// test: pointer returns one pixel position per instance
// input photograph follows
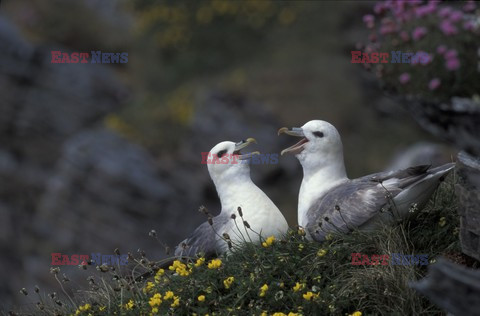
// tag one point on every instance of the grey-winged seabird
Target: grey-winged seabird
(236, 190)
(329, 202)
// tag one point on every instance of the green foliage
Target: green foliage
(291, 275)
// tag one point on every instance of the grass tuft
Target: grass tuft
(292, 276)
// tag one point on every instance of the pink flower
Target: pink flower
(444, 12)
(456, 16)
(452, 64)
(450, 54)
(379, 8)
(404, 36)
(369, 20)
(441, 49)
(419, 32)
(469, 6)
(469, 25)
(430, 8)
(434, 84)
(404, 78)
(448, 28)
(388, 26)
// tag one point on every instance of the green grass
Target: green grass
(337, 287)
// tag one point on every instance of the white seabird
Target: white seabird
(235, 189)
(329, 202)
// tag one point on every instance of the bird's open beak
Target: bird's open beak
(298, 147)
(242, 144)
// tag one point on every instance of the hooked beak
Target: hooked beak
(242, 144)
(298, 147)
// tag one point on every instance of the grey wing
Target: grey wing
(347, 207)
(351, 205)
(204, 239)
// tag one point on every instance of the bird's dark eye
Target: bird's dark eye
(318, 134)
(221, 153)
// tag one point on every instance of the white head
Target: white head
(320, 146)
(225, 162)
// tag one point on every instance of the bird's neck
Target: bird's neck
(235, 191)
(316, 182)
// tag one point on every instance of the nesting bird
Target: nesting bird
(247, 213)
(329, 202)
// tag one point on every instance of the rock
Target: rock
(453, 287)
(422, 153)
(468, 192)
(457, 122)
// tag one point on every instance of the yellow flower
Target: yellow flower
(300, 247)
(158, 275)
(155, 310)
(279, 314)
(308, 296)
(83, 308)
(155, 300)
(293, 314)
(264, 314)
(301, 231)
(180, 268)
(356, 313)
(200, 261)
(129, 305)
(298, 287)
(148, 287)
(176, 301)
(102, 308)
(322, 252)
(228, 282)
(268, 242)
(201, 298)
(442, 221)
(263, 290)
(215, 264)
(329, 237)
(168, 295)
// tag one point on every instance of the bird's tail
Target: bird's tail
(419, 192)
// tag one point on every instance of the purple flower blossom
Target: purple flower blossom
(450, 54)
(441, 49)
(404, 36)
(456, 16)
(388, 26)
(444, 12)
(469, 25)
(419, 32)
(424, 10)
(379, 8)
(434, 84)
(369, 20)
(448, 28)
(452, 64)
(404, 78)
(469, 6)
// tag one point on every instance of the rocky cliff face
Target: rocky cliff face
(70, 185)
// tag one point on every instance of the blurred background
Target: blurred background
(94, 156)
